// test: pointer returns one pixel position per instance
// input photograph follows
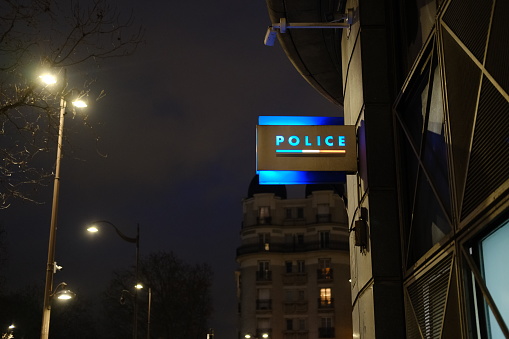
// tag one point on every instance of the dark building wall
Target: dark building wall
(370, 88)
(427, 90)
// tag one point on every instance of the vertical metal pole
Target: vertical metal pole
(50, 266)
(135, 325)
(149, 308)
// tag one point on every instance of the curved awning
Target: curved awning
(315, 53)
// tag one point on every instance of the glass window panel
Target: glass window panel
(429, 225)
(494, 249)
(435, 150)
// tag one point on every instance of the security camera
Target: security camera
(56, 268)
(270, 36)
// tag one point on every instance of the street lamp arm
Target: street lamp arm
(122, 235)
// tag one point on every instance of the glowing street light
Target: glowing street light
(94, 229)
(48, 79)
(63, 294)
(249, 336)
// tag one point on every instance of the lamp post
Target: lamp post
(149, 304)
(136, 241)
(51, 266)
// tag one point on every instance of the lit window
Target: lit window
(264, 240)
(325, 296)
(264, 211)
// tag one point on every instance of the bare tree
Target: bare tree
(181, 302)
(51, 35)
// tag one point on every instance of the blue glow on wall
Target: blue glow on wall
(300, 177)
(299, 121)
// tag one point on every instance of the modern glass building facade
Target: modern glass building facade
(426, 84)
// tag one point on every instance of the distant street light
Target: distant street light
(52, 266)
(149, 304)
(94, 229)
(249, 336)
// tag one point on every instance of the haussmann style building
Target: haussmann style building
(293, 276)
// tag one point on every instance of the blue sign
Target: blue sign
(304, 150)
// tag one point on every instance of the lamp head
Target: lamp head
(65, 294)
(79, 103)
(93, 229)
(48, 79)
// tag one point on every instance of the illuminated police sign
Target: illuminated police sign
(295, 150)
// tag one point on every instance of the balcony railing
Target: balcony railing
(263, 304)
(295, 307)
(295, 278)
(290, 248)
(326, 332)
(296, 334)
(324, 274)
(323, 218)
(325, 303)
(264, 275)
(263, 220)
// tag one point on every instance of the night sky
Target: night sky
(176, 150)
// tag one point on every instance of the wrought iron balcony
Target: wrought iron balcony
(324, 274)
(263, 304)
(325, 303)
(292, 248)
(264, 275)
(326, 332)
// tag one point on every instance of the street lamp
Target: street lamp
(93, 228)
(51, 266)
(263, 335)
(149, 304)
(8, 334)
(63, 294)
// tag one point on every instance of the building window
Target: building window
(301, 295)
(324, 268)
(289, 324)
(264, 273)
(288, 213)
(264, 215)
(326, 329)
(324, 239)
(323, 213)
(493, 248)
(263, 327)
(288, 295)
(264, 241)
(264, 302)
(423, 149)
(300, 212)
(288, 265)
(302, 324)
(300, 239)
(325, 300)
(301, 266)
